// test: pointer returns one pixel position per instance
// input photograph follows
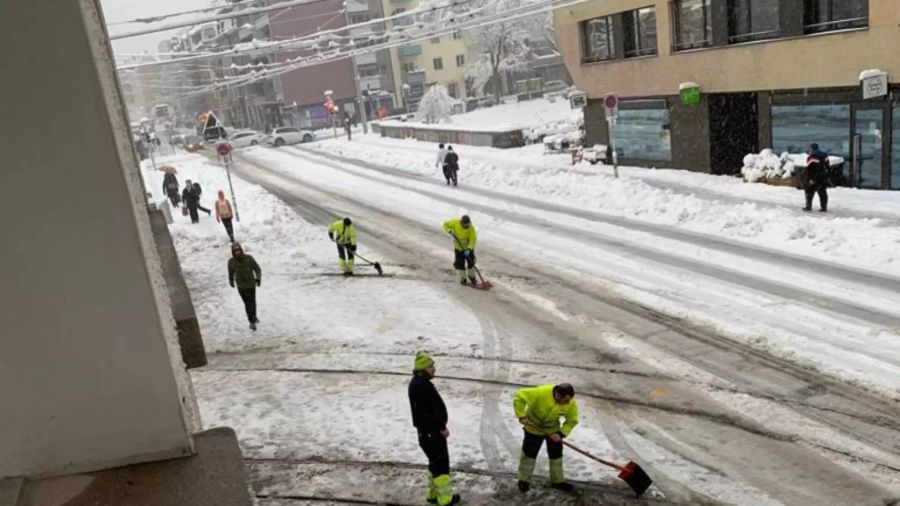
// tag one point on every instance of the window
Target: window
(639, 31)
(288, 131)
(359, 18)
(438, 63)
(435, 40)
(457, 35)
(752, 20)
(460, 60)
(794, 127)
(825, 15)
(370, 70)
(693, 24)
(598, 39)
(643, 134)
(452, 90)
(409, 66)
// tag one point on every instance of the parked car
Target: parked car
(245, 138)
(289, 135)
(193, 143)
(555, 87)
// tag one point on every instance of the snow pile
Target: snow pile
(865, 74)
(767, 165)
(505, 117)
(569, 127)
(435, 106)
(687, 86)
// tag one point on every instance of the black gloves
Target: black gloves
(231, 283)
(331, 235)
(259, 282)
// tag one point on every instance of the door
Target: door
(867, 166)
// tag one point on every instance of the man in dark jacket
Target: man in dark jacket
(245, 272)
(199, 193)
(170, 188)
(451, 166)
(191, 200)
(816, 179)
(429, 416)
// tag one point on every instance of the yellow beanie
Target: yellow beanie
(423, 361)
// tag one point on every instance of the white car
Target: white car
(246, 138)
(289, 135)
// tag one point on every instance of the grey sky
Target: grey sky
(122, 10)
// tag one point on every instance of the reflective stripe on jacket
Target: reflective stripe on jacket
(343, 235)
(539, 406)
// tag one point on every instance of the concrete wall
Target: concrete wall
(831, 59)
(89, 372)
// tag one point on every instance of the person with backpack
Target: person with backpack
(451, 166)
(816, 178)
(199, 193)
(191, 201)
(224, 214)
(441, 155)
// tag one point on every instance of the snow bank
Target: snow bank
(865, 74)
(767, 165)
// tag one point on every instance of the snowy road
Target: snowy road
(642, 318)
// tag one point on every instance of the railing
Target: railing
(748, 37)
(838, 24)
(634, 53)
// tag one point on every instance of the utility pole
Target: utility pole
(360, 104)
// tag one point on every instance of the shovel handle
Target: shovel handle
(579, 450)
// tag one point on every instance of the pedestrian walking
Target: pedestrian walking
(442, 154)
(343, 233)
(429, 416)
(347, 125)
(451, 165)
(244, 272)
(464, 239)
(170, 189)
(199, 194)
(539, 410)
(816, 178)
(191, 200)
(224, 214)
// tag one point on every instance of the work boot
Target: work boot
(524, 486)
(473, 281)
(564, 486)
(462, 281)
(456, 499)
(253, 326)
(807, 209)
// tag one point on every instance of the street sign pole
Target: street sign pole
(611, 106)
(224, 151)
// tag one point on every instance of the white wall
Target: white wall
(88, 378)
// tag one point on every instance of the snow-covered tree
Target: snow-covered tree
(502, 47)
(435, 106)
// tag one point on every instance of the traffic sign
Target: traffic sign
(223, 149)
(578, 100)
(611, 104)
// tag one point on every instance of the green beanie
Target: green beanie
(423, 362)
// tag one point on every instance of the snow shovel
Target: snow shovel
(484, 285)
(631, 473)
(376, 265)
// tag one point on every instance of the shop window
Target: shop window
(639, 32)
(795, 127)
(598, 39)
(693, 24)
(826, 15)
(895, 146)
(752, 20)
(643, 134)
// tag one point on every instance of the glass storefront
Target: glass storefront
(643, 134)
(795, 127)
(895, 156)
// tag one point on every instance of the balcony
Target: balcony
(372, 83)
(415, 77)
(367, 59)
(357, 6)
(411, 50)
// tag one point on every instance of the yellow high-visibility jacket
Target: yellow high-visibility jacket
(343, 235)
(467, 236)
(539, 406)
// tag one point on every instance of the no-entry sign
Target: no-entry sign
(223, 149)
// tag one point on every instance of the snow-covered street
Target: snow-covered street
(736, 359)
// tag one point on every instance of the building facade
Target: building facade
(420, 65)
(775, 74)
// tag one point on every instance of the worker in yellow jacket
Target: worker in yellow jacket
(464, 239)
(539, 410)
(343, 233)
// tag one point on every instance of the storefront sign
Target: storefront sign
(875, 86)
(690, 93)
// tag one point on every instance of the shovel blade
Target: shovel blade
(636, 478)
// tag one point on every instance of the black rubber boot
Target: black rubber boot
(524, 486)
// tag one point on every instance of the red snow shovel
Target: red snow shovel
(484, 285)
(631, 473)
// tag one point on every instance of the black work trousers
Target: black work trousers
(531, 445)
(460, 261)
(822, 190)
(435, 448)
(248, 295)
(346, 251)
(192, 210)
(228, 228)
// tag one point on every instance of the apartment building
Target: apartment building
(420, 65)
(703, 82)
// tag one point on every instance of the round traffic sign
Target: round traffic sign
(611, 101)
(223, 149)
